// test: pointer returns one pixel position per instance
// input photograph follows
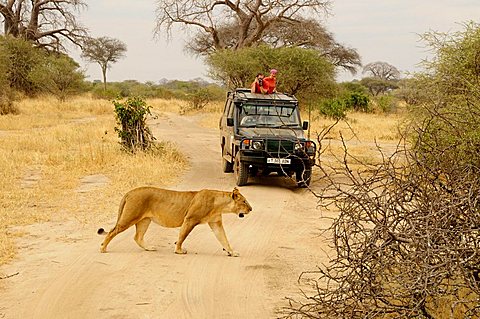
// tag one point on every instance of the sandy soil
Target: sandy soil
(61, 273)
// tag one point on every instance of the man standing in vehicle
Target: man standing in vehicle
(257, 85)
(269, 83)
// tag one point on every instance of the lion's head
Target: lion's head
(241, 205)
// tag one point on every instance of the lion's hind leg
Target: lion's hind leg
(114, 232)
(141, 229)
(186, 228)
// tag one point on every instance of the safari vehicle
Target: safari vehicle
(262, 134)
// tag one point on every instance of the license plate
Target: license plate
(284, 161)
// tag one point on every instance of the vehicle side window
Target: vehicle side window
(231, 107)
(228, 104)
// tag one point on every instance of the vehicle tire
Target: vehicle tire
(227, 167)
(304, 176)
(241, 171)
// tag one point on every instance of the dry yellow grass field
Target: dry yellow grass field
(54, 156)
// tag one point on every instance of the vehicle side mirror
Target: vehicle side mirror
(305, 125)
(229, 121)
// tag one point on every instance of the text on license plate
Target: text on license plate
(284, 161)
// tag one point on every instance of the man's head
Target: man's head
(273, 72)
(260, 76)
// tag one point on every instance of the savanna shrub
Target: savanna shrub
(333, 108)
(98, 92)
(386, 103)
(197, 100)
(358, 101)
(22, 58)
(59, 75)
(131, 116)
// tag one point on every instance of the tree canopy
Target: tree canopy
(104, 51)
(59, 75)
(241, 24)
(382, 71)
(47, 23)
(300, 71)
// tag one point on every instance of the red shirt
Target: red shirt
(269, 84)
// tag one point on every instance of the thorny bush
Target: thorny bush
(131, 116)
(407, 235)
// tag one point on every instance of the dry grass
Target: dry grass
(171, 105)
(48, 148)
(211, 114)
(363, 135)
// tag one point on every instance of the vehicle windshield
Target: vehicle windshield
(268, 116)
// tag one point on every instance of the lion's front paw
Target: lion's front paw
(233, 254)
(103, 250)
(180, 251)
(151, 248)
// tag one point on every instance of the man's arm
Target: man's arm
(252, 87)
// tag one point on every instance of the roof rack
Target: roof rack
(245, 94)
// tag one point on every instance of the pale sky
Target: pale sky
(380, 30)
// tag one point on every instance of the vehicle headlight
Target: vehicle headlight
(311, 147)
(298, 146)
(257, 145)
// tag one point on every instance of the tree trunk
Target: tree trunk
(104, 74)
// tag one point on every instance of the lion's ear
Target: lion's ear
(235, 193)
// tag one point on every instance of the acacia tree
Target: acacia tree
(382, 71)
(304, 71)
(304, 33)
(104, 51)
(239, 24)
(208, 15)
(45, 22)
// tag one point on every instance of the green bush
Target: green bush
(131, 116)
(22, 58)
(197, 100)
(59, 75)
(333, 108)
(183, 90)
(6, 99)
(111, 93)
(358, 102)
(386, 103)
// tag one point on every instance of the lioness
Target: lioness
(170, 208)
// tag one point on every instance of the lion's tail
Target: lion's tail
(102, 231)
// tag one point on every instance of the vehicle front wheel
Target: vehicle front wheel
(241, 171)
(304, 176)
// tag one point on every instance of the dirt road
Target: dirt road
(61, 273)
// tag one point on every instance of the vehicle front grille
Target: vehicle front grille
(281, 147)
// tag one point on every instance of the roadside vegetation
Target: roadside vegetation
(405, 242)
